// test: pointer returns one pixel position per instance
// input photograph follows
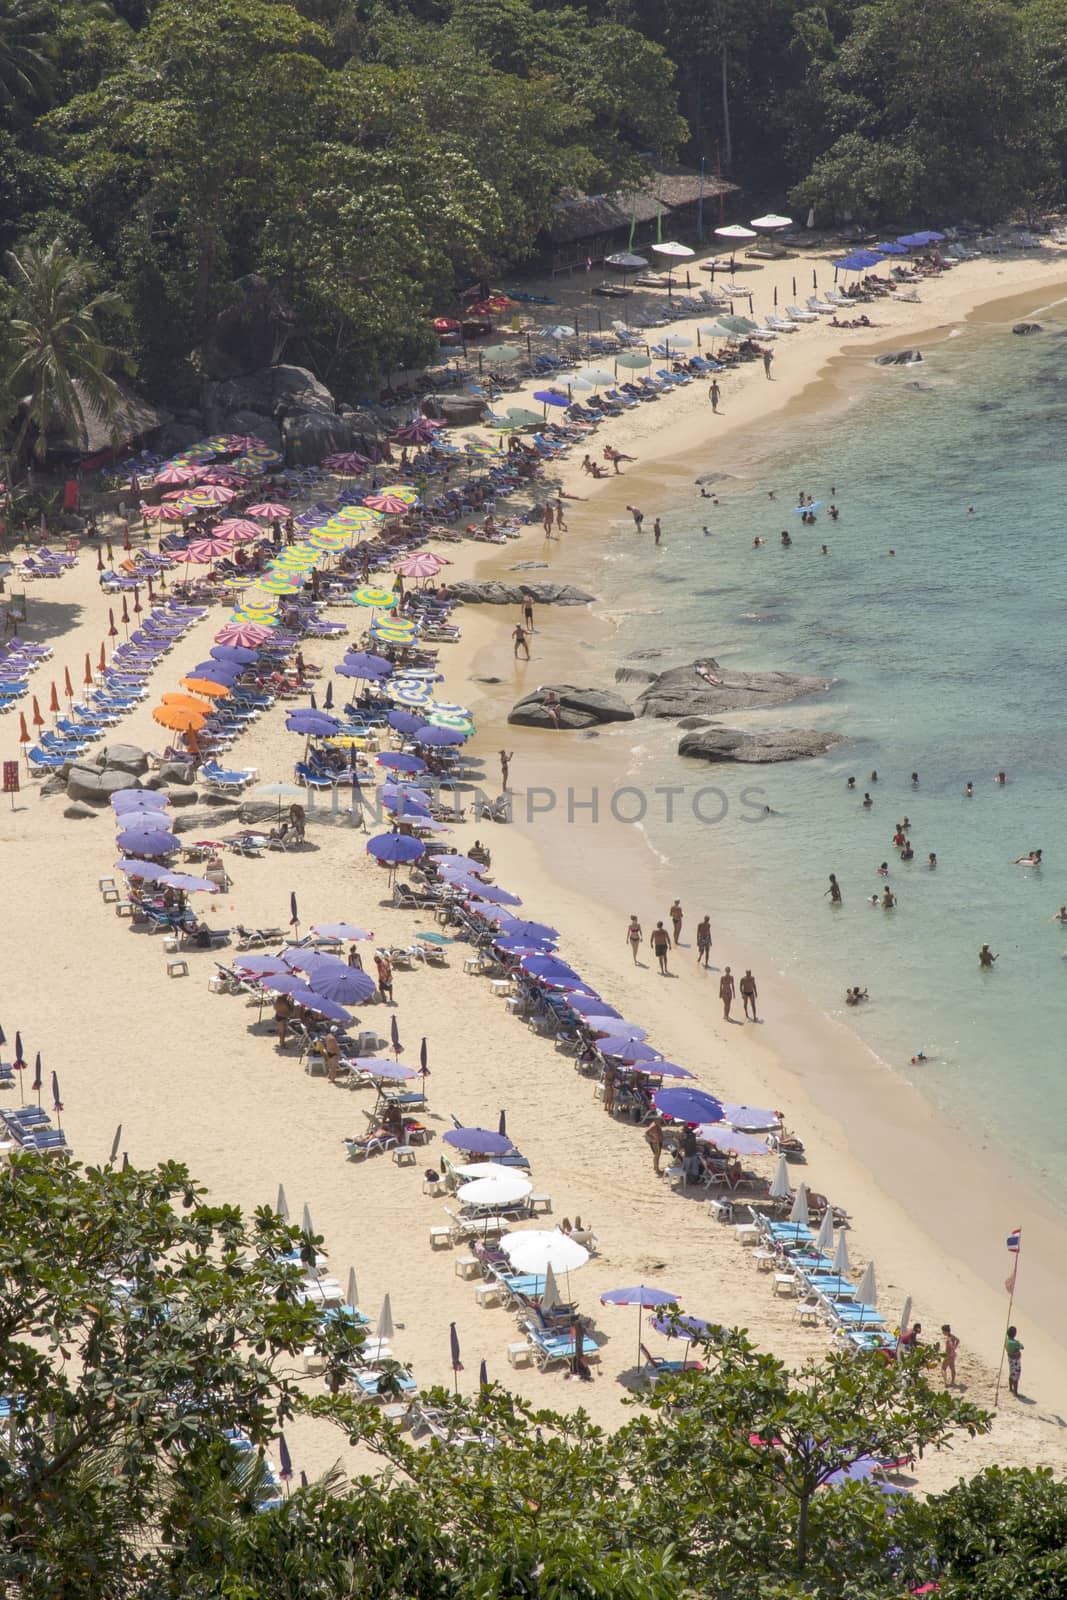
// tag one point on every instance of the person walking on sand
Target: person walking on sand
(747, 989)
(546, 518)
(657, 532)
(661, 943)
(527, 616)
(561, 526)
(654, 1140)
(713, 395)
(384, 968)
(506, 757)
(676, 921)
(768, 357)
(704, 940)
(519, 637)
(1014, 1351)
(726, 992)
(634, 936)
(332, 1051)
(948, 1356)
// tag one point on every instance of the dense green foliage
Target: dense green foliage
(368, 157)
(139, 1323)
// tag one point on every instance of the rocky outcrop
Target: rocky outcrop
(251, 423)
(124, 758)
(458, 410)
(277, 392)
(182, 797)
(635, 675)
(205, 822)
(513, 594)
(1025, 328)
(309, 436)
(97, 785)
(578, 708)
(78, 812)
(180, 772)
(898, 358)
(706, 689)
(756, 745)
(250, 332)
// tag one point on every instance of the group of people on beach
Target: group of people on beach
(662, 943)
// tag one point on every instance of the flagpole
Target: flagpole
(1011, 1301)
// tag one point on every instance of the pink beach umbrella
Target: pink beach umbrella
(271, 511)
(175, 512)
(238, 528)
(248, 635)
(422, 565)
(347, 461)
(177, 474)
(421, 431)
(391, 505)
(224, 475)
(210, 494)
(207, 550)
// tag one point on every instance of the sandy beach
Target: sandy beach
(194, 1075)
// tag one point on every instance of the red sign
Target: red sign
(11, 777)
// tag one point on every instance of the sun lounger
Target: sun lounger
(820, 307)
(797, 315)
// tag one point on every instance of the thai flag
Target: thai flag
(1014, 1240)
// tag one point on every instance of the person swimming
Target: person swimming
(931, 861)
(1031, 860)
(1001, 777)
(867, 802)
(969, 791)
(850, 784)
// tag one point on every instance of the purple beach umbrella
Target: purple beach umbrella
(235, 653)
(139, 800)
(403, 721)
(37, 1077)
(479, 1141)
(688, 1105)
(369, 666)
(150, 871)
(491, 893)
(318, 1003)
(395, 848)
(285, 1459)
(57, 1102)
(316, 724)
(399, 761)
(457, 1364)
(393, 1071)
(615, 1027)
(347, 985)
(147, 841)
(632, 1050)
(459, 866)
(642, 1296)
(427, 734)
(338, 930)
(394, 1035)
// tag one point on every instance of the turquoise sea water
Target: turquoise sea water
(949, 659)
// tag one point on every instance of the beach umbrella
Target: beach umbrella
(394, 1035)
(799, 1212)
(505, 1190)
(617, 1029)
(688, 1105)
(642, 1296)
(632, 1050)
(771, 222)
(781, 1188)
(403, 721)
(841, 1261)
(262, 966)
(449, 720)
(245, 635)
(503, 354)
(385, 1328)
(502, 1125)
(750, 1118)
(315, 724)
(867, 1293)
(294, 912)
(632, 360)
(176, 473)
(483, 1375)
(539, 1249)
(147, 841)
(488, 892)
(478, 1140)
(283, 982)
(347, 461)
(233, 654)
(57, 1102)
(352, 1294)
(890, 249)
(524, 417)
(150, 871)
(24, 732)
(734, 230)
(424, 564)
(189, 884)
(596, 376)
(682, 1327)
(550, 1298)
(824, 1239)
(183, 719)
(626, 261)
(549, 397)
(400, 761)
(36, 1085)
(395, 848)
(342, 983)
(391, 1071)
(239, 528)
(282, 1207)
(139, 800)
(207, 687)
(549, 968)
(730, 1140)
(457, 1364)
(596, 1011)
(284, 1457)
(305, 1222)
(368, 665)
(269, 511)
(525, 947)
(339, 930)
(391, 505)
(433, 736)
(379, 598)
(459, 865)
(673, 251)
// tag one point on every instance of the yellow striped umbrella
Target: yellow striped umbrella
(379, 598)
(401, 491)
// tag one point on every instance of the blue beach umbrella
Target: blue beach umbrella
(395, 848)
(405, 810)
(890, 248)
(57, 1099)
(312, 1001)
(549, 968)
(138, 800)
(286, 1460)
(404, 721)
(688, 1105)
(729, 1139)
(367, 665)
(402, 762)
(479, 1141)
(518, 928)
(328, 700)
(457, 1364)
(427, 735)
(459, 866)
(632, 1050)
(316, 724)
(37, 1077)
(236, 653)
(548, 397)
(507, 941)
(489, 892)
(642, 1296)
(596, 1011)
(403, 791)
(342, 983)
(147, 842)
(859, 261)
(617, 1030)
(682, 1327)
(394, 1036)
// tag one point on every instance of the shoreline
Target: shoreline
(193, 1077)
(877, 1110)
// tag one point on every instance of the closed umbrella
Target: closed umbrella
(799, 1213)
(352, 1294)
(457, 1364)
(385, 1328)
(824, 1239)
(550, 1300)
(867, 1292)
(841, 1261)
(282, 1207)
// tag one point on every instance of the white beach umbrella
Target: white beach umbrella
(735, 231)
(626, 261)
(670, 247)
(824, 1239)
(868, 1289)
(493, 1191)
(550, 1299)
(781, 1188)
(282, 1208)
(352, 1297)
(751, 1119)
(841, 1261)
(385, 1329)
(799, 1212)
(771, 221)
(905, 1320)
(305, 1221)
(483, 1169)
(539, 1249)
(597, 376)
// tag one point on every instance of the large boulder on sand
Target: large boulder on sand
(124, 758)
(756, 745)
(181, 772)
(458, 410)
(309, 436)
(898, 358)
(706, 689)
(277, 392)
(96, 786)
(252, 424)
(578, 708)
(206, 823)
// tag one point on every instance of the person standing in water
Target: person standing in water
(506, 757)
(834, 891)
(986, 957)
(657, 532)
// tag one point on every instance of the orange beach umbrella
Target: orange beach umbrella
(88, 669)
(38, 720)
(53, 703)
(181, 718)
(204, 686)
(68, 687)
(24, 732)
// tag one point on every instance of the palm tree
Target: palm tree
(25, 48)
(58, 361)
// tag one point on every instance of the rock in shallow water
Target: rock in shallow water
(706, 689)
(756, 746)
(578, 708)
(493, 593)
